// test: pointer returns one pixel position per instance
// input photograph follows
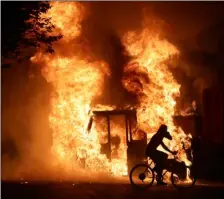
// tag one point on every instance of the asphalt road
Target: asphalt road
(106, 191)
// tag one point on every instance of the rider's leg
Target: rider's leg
(159, 177)
(158, 160)
(159, 172)
(161, 158)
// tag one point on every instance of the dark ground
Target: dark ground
(107, 191)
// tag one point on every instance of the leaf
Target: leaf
(32, 33)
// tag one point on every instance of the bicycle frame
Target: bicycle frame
(166, 170)
(149, 172)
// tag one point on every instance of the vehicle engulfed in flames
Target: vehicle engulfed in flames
(78, 78)
(124, 134)
(130, 136)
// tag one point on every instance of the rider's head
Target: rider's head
(163, 132)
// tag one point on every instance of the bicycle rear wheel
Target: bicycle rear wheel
(179, 181)
(141, 176)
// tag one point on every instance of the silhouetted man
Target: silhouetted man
(159, 157)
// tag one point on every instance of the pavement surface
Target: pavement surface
(56, 190)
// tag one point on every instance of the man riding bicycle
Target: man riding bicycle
(159, 157)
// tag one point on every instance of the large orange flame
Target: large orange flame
(149, 77)
(77, 81)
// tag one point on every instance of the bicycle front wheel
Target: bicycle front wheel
(185, 181)
(142, 176)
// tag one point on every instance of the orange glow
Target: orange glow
(67, 16)
(77, 81)
(156, 88)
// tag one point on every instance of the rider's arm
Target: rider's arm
(166, 148)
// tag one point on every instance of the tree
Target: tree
(22, 27)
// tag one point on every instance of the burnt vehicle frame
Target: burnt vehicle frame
(135, 148)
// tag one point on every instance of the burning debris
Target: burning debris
(78, 80)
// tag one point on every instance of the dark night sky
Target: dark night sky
(186, 19)
(189, 18)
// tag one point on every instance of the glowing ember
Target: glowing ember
(77, 81)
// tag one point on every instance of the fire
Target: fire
(77, 81)
(158, 85)
(67, 18)
(149, 77)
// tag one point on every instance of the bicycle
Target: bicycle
(177, 169)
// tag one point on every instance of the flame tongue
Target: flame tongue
(78, 81)
(157, 103)
(148, 76)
